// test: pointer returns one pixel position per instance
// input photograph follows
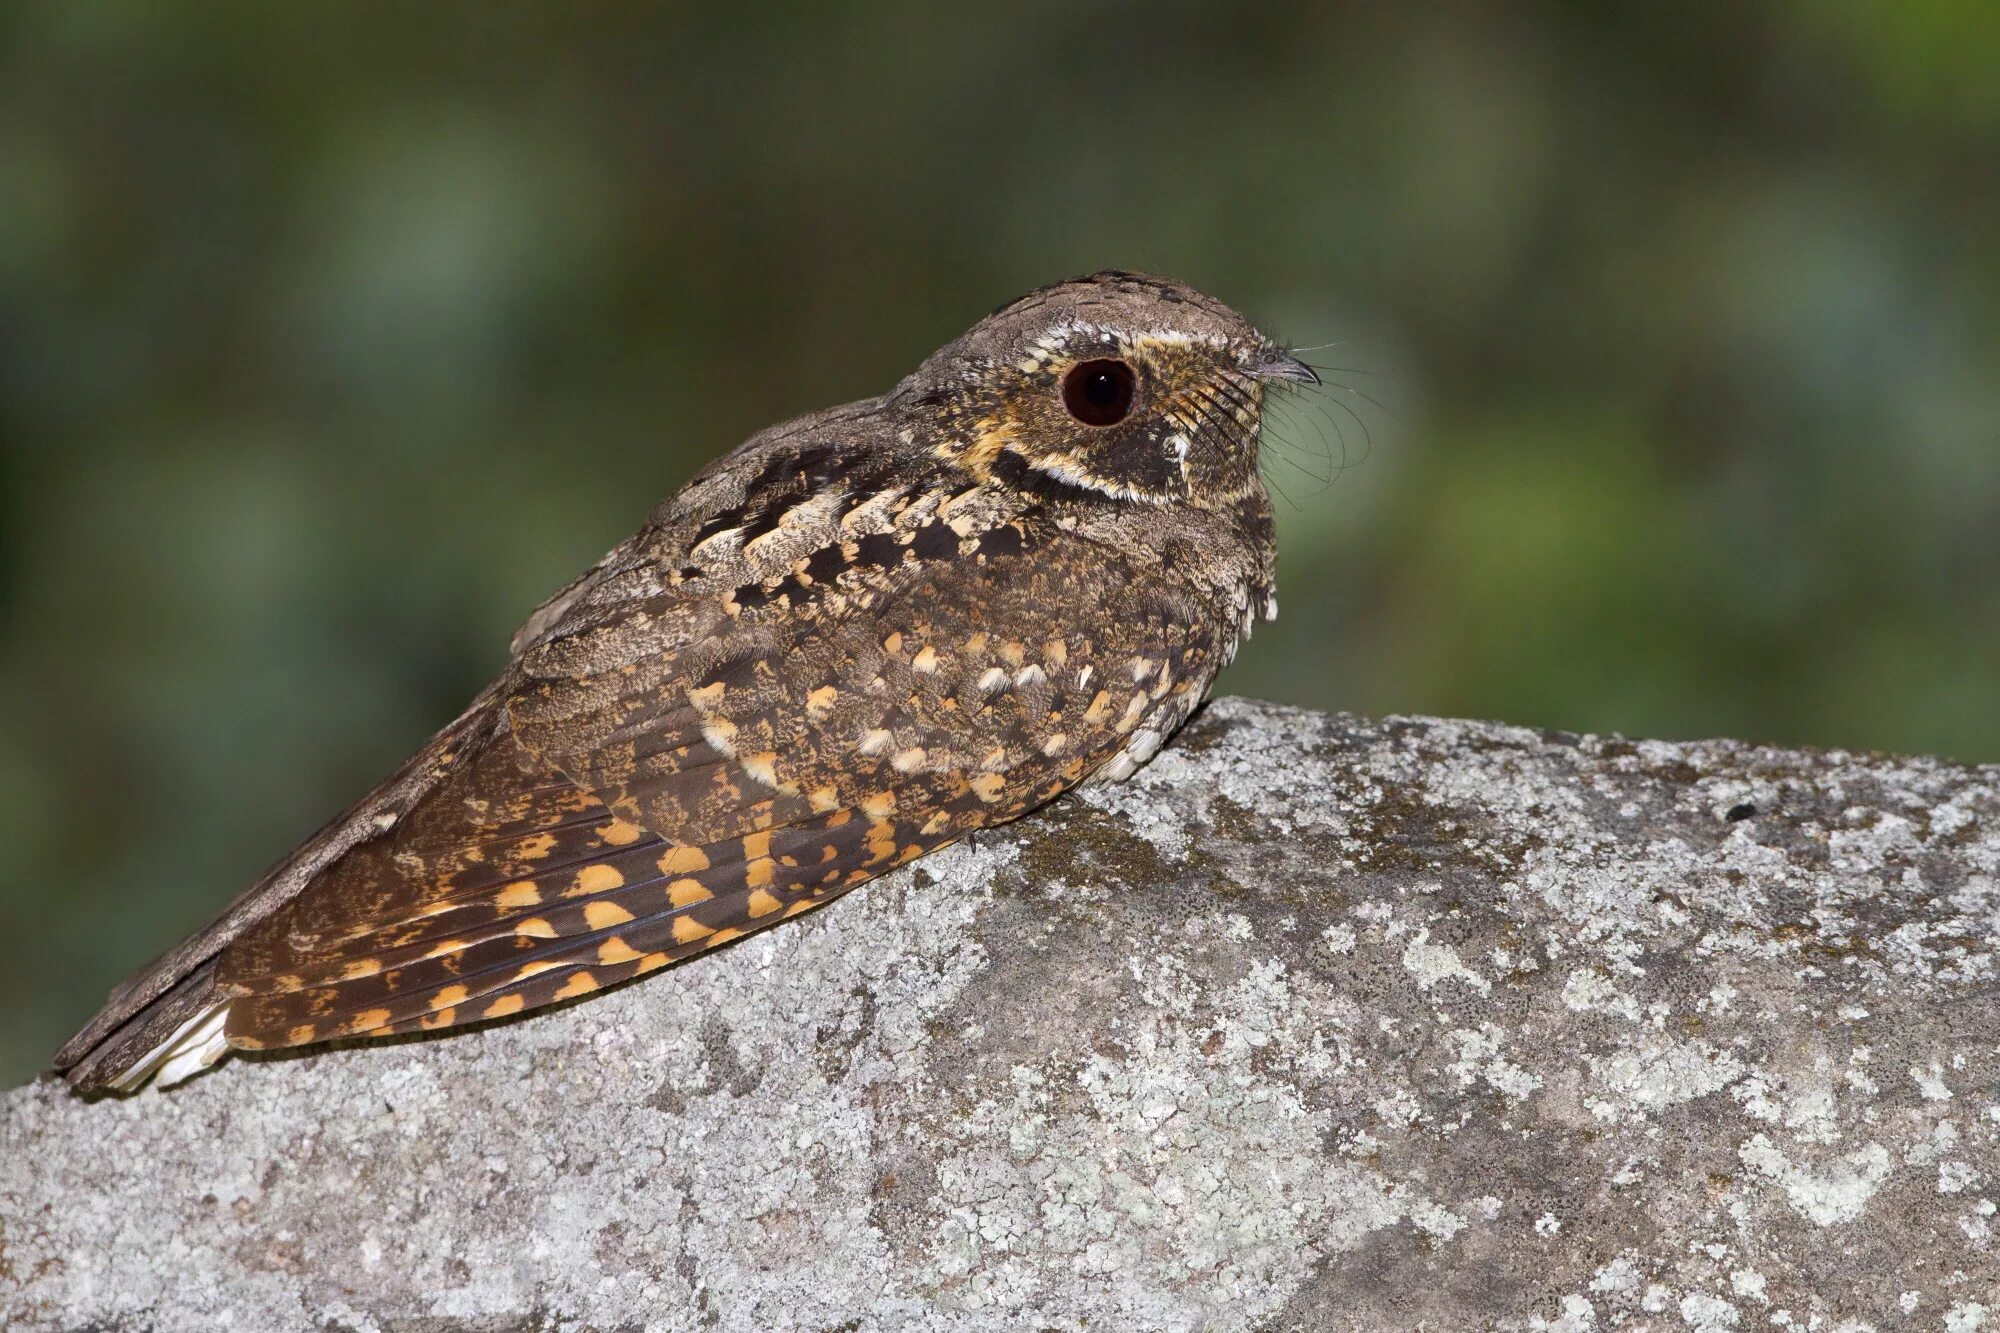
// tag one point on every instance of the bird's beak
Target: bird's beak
(1277, 365)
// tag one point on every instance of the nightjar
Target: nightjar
(858, 637)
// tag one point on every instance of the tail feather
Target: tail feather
(175, 1036)
(192, 1047)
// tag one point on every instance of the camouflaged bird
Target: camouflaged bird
(858, 637)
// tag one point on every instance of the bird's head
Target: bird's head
(1130, 387)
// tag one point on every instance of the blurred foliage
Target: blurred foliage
(332, 338)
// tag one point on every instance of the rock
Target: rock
(1316, 1024)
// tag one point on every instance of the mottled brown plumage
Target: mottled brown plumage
(852, 640)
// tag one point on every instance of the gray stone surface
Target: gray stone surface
(1317, 1024)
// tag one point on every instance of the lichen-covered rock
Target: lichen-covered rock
(1316, 1024)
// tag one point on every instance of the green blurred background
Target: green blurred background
(333, 338)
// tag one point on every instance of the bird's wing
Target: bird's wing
(681, 767)
(150, 1009)
(178, 988)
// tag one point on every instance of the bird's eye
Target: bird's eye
(1099, 393)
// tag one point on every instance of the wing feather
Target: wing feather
(682, 756)
(646, 900)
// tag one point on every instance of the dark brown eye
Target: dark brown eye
(1099, 393)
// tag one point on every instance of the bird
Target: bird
(858, 637)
